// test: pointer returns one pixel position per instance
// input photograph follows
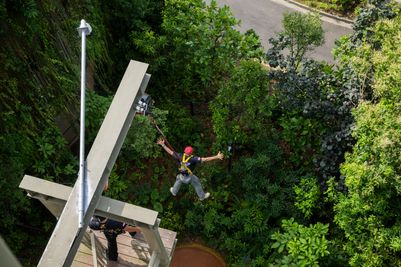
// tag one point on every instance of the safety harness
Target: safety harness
(97, 223)
(184, 166)
(184, 159)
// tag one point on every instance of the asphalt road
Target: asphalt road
(265, 17)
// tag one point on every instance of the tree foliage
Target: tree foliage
(300, 245)
(258, 180)
(39, 81)
(302, 33)
(197, 46)
(344, 7)
(288, 126)
(243, 105)
(121, 18)
(307, 194)
(368, 213)
(356, 50)
(317, 103)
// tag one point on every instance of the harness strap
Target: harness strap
(185, 160)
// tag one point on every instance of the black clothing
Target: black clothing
(112, 251)
(111, 229)
(190, 164)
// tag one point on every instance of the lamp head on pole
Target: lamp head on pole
(84, 28)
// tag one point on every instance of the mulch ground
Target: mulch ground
(196, 256)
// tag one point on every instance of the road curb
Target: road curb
(320, 12)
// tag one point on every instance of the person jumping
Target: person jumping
(187, 165)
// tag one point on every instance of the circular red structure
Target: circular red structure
(195, 255)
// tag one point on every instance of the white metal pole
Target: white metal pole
(84, 29)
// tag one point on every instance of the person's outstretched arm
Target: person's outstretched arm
(219, 156)
(162, 143)
(131, 228)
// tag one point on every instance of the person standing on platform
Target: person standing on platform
(111, 230)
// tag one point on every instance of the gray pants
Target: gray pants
(186, 179)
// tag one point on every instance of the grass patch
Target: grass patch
(342, 8)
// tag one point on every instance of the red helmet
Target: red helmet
(188, 150)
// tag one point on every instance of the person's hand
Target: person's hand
(220, 155)
(160, 141)
(106, 186)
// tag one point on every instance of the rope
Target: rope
(165, 138)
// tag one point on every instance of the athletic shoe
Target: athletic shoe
(171, 190)
(207, 194)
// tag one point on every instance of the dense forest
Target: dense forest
(313, 173)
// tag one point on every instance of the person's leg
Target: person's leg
(112, 253)
(195, 182)
(176, 187)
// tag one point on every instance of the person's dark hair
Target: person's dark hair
(96, 222)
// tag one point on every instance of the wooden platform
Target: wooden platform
(132, 252)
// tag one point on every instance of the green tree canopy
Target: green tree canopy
(368, 213)
(197, 46)
(302, 33)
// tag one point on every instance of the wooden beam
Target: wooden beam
(52, 195)
(67, 235)
(159, 253)
(93, 248)
(125, 212)
(107, 207)
(44, 187)
(7, 257)
(48, 191)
